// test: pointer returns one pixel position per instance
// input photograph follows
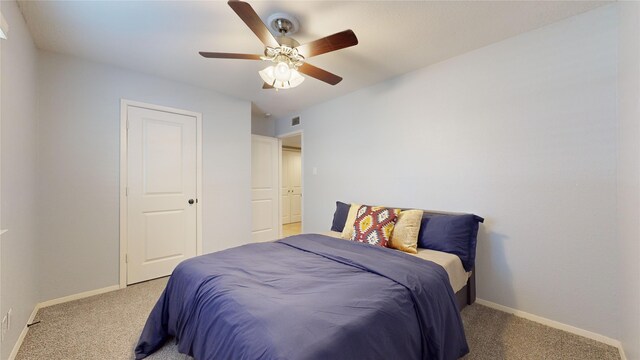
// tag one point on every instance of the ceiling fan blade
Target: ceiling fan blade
(319, 74)
(267, 86)
(217, 55)
(253, 21)
(330, 43)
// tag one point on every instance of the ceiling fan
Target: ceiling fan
(288, 56)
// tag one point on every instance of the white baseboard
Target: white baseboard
(57, 301)
(557, 325)
(83, 295)
(23, 334)
(622, 354)
(519, 313)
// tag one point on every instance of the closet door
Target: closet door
(162, 188)
(295, 183)
(291, 186)
(286, 192)
(265, 174)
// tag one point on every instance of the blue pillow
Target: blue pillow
(455, 234)
(340, 216)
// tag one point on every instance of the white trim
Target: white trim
(280, 137)
(199, 184)
(302, 151)
(519, 313)
(290, 134)
(23, 334)
(1, 21)
(623, 356)
(124, 104)
(280, 233)
(79, 296)
(86, 294)
(557, 325)
(123, 194)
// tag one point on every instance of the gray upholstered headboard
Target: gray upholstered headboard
(437, 212)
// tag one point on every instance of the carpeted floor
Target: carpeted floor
(107, 326)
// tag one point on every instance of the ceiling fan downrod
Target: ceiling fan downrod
(283, 26)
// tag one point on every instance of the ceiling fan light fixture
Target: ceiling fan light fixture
(268, 75)
(282, 71)
(285, 52)
(296, 79)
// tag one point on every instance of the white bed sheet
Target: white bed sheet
(450, 262)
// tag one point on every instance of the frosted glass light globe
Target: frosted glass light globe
(268, 73)
(282, 72)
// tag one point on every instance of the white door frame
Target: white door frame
(280, 137)
(124, 104)
(2, 21)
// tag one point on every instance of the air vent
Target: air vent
(295, 121)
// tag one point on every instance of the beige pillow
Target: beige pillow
(405, 233)
(347, 232)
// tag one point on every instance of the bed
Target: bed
(462, 282)
(313, 296)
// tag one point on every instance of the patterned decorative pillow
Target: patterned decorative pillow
(374, 225)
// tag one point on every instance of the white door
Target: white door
(161, 213)
(265, 207)
(286, 187)
(291, 186)
(295, 182)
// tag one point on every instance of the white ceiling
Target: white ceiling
(163, 38)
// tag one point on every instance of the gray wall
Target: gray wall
(78, 170)
(20, 267)
(522, 132)
(261, 125)
(629, 175)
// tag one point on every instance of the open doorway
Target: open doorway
(291, 184)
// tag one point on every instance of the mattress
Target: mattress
(450, 262)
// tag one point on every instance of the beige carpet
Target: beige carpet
(107, 327)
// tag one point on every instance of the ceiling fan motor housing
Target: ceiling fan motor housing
(285, 40)
(283, 24)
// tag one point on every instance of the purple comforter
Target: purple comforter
(307, 297)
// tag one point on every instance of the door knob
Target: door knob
(191, 201)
